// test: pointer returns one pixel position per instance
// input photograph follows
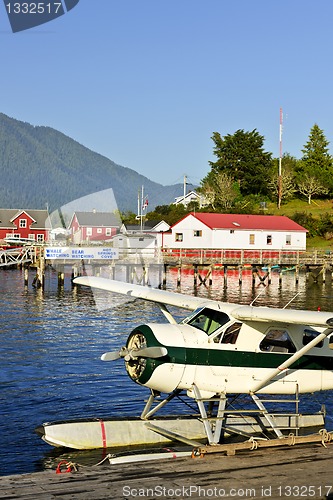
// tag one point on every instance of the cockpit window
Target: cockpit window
(277, 340)
(310, 334)
(229, 335)
(208, 320)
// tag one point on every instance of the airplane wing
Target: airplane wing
(144, 292)
(286, 316)
(189, 302)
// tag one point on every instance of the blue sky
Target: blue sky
(147, 82)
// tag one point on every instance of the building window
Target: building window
(40, 238)
(23, 222)
(179, 237)
(89, 231)
(197, 233)
(108, 231)
(252, 239)
(288, 239)
(232, 231)
(99, 230)
(269, 239)
(31, 237)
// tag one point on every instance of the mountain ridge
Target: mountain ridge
(41, 166)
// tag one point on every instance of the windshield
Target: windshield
(207, 320)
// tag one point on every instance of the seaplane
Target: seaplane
(216, 352)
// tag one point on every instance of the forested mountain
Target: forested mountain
(39, 166)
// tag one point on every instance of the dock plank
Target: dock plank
(302, 471)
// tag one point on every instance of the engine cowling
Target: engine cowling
(165, 373)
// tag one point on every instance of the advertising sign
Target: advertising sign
(79, 253)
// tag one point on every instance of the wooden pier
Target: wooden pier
(17, 256)
(204, 265)
(301, 471)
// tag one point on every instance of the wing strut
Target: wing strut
(291, 360)
(167, 313)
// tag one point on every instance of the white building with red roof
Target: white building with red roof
(236, 231)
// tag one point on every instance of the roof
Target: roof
(247, 222)
(97, 219)
(7, 215)
(149, 225)
(191, 195)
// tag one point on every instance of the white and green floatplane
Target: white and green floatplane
(220, 350)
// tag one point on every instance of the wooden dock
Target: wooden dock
(203, 264)
(302, 471)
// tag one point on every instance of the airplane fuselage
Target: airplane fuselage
(225, 348)
(217, 364)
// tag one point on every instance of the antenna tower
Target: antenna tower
(280, 162)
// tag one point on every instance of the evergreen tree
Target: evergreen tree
(242, 157)
(316, 162)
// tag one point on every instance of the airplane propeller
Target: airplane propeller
(128, 354)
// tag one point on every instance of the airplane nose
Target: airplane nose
(137, 353)
(141, 354)
(136, 365)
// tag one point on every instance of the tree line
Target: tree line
(244, 178)
(243, 170)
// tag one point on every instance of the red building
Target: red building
(93, 226)
(18, 223)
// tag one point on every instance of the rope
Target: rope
(70, 467)
(254, 443)
(292, 438)
(108, 457)
(326, 437)
(73, 467)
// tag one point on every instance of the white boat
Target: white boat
(115, 432)
(12, 240)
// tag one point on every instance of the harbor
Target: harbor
(166, 251)
(52, 371)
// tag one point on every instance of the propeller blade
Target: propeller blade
(144, 352)
(111, 356)
(150, 352)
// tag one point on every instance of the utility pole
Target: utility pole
(142, 206)
(185, 184)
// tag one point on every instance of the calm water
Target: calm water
(50, 348)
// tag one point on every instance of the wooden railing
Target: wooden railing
(237, 257)
(16, 256)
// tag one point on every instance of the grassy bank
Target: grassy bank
(317, 209)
